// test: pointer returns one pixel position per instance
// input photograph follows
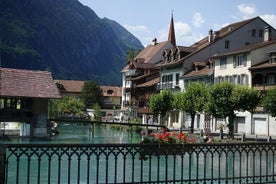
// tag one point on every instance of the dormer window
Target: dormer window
(110, 91)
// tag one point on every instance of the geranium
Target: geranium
(165, 138)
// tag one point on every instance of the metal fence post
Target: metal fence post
(2, 163)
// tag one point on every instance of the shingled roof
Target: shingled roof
(200, 45)
(27, 83)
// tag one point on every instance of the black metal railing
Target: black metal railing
(137, 163)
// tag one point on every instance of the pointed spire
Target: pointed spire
(171, 36)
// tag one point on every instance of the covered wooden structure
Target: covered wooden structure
(24, 96)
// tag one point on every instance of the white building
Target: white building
(238, 67)
(227, 39)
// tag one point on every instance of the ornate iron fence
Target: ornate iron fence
(135, 163)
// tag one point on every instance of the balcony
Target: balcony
(263, 87)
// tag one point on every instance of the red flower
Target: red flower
(160, 137)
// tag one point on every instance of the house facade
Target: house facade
(229, 38)
(140, 79)
(112, 95)
(254, 66)
(24, 96)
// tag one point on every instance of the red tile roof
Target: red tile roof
(114, 91)
(149, 83)
(71, 86)
(150, 51)
(27, 83)
(75, 86)
(263, 65)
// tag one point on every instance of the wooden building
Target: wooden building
(24, 96)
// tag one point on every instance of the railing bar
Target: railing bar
(266, 163)
(182, 167)
(38, 169)
(226, 167)
(247, 166)
(233, 168)
(115, 168)
(124, 170)
(78, 177)
(69, 169)
(97, 170)
(106, 169)
(133, 168)
(150, 169)
(28, 170)
(166, 168)
(141, 171)
(158, 168)
(174, 168)
(204, 167)
(197, 165)
(240, 163)
(88, 169)
(49, 170)
(17, 170)
(219, 169)
(59, 168)
(190, 167)
(261, 167)
(273, 168)
(212, 170)
(254, 169)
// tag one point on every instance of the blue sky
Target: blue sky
(148, 19)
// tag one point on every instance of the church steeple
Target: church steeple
(171, 36)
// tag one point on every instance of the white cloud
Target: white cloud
(197, 20)
(270, 19)
(137, 28)
(141, 32)
(246, 10)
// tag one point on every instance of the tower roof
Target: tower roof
(171, 36)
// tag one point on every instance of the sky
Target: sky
(148, 19)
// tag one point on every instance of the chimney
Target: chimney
(154, 41)
(210, 38)
(216, 35)
(267, 33)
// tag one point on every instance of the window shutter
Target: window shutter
(234, 61)
(244, 59)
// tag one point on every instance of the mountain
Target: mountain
(64, 37)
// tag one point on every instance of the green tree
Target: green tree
(269, 101)
(91, 94)
(192, 100)
(161, 103)
(97, 112)
(66, 104)
(131, 54)
(225, 99)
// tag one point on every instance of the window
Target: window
(273, 58)
(270, 79)
(222, 63)
(244, 79)
(261, 33)
(177, 79)
(239, 60)
(227, 43)
(253, 32)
